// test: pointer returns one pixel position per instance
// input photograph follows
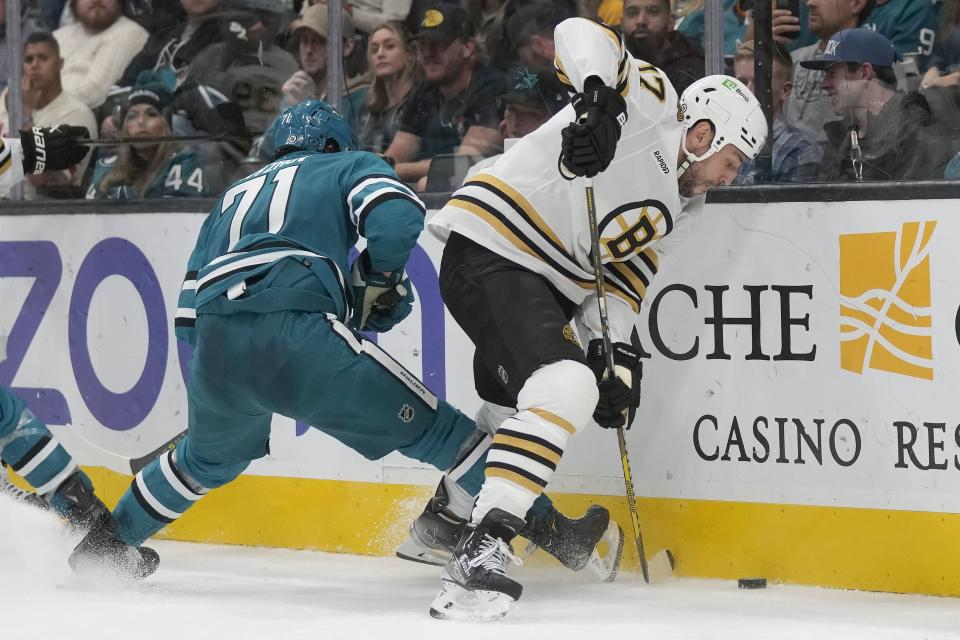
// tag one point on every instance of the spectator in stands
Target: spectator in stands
(393, 63)
(649, 34)
(368, 15)
(533, 99)
(176, 47)
(492, 18)
(150, 169)
(909, 25)
(530, 33)
(310, 81)
(809, 108)
(691, 23)
(46, 104)
(795, 156)
(28, 25)
(882, 134)
(455, 109)
(247, 68)
(98, 47)
(944, 69)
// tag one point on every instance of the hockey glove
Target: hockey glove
(380, 300)
(52, 149)
(590, 142)
(619, 395)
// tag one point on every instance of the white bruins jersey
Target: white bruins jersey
(11, 164)
(523, 209)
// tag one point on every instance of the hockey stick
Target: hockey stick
(103, 142)
(123, 464)
(664, 561)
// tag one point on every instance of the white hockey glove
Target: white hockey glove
(620, 395)
(380, 301)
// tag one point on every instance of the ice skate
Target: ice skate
(435, 532)
(592, 541)
(101, 551)
(475, 586)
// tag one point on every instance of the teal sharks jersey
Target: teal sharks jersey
(305, 206)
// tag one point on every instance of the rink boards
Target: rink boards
(797, 419)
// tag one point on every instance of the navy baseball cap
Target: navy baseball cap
(860, 46)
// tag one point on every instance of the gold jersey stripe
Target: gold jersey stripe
(515, 478)
(6, 163)
(553, 418)
(515, 198)
(654, 259)
(615, 289)
(526, 445)
(498, 226)
(630, 278)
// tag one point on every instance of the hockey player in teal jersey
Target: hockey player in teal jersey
(272, 309)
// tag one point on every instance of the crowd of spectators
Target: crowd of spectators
(862, 89)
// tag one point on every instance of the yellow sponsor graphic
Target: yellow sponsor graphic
(885, 301)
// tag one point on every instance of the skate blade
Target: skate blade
(462, 605)
(414, 552)
(604, 562)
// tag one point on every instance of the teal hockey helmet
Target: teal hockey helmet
(310, 126)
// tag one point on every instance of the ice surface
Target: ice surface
(214, 592)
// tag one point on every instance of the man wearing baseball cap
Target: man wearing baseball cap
(310, 82)
(455, 109)
(882, 134)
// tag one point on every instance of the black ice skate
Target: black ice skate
(100, 551)
(75, 500)
(475, 585)
(592, 540)
(434, 534)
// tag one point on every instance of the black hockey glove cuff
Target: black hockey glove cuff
(52, 149)
(589, 143)
(620, 395)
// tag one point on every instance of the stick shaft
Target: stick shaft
(599, 289)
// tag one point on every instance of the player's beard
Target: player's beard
(691, 179)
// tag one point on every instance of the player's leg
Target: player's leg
(520, 327)
(575, 542)
(228, 426)
(28, 447)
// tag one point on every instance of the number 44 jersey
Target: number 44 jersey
(307, 207)
(524, 210)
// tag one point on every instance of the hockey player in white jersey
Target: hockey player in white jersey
(516, 272)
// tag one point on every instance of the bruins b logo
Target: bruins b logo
(570, 335)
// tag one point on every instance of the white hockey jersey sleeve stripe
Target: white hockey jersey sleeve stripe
(11, 164)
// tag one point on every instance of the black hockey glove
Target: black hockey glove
(590, 142)
(622, 392)
(52, 149)
(380, 301)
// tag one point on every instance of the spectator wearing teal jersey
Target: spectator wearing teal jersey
(692, 24)
(150, 169)
(911, 25)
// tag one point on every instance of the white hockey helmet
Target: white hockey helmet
(734, 112)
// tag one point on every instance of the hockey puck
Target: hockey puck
(752, 583)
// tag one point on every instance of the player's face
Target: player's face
(97, 15)
(719, 169)
(845, 87)
(645, 19)
(200, 7)
(386, 54)
(313, 52)
(144, 121)
(41, 65)
(441, 61)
